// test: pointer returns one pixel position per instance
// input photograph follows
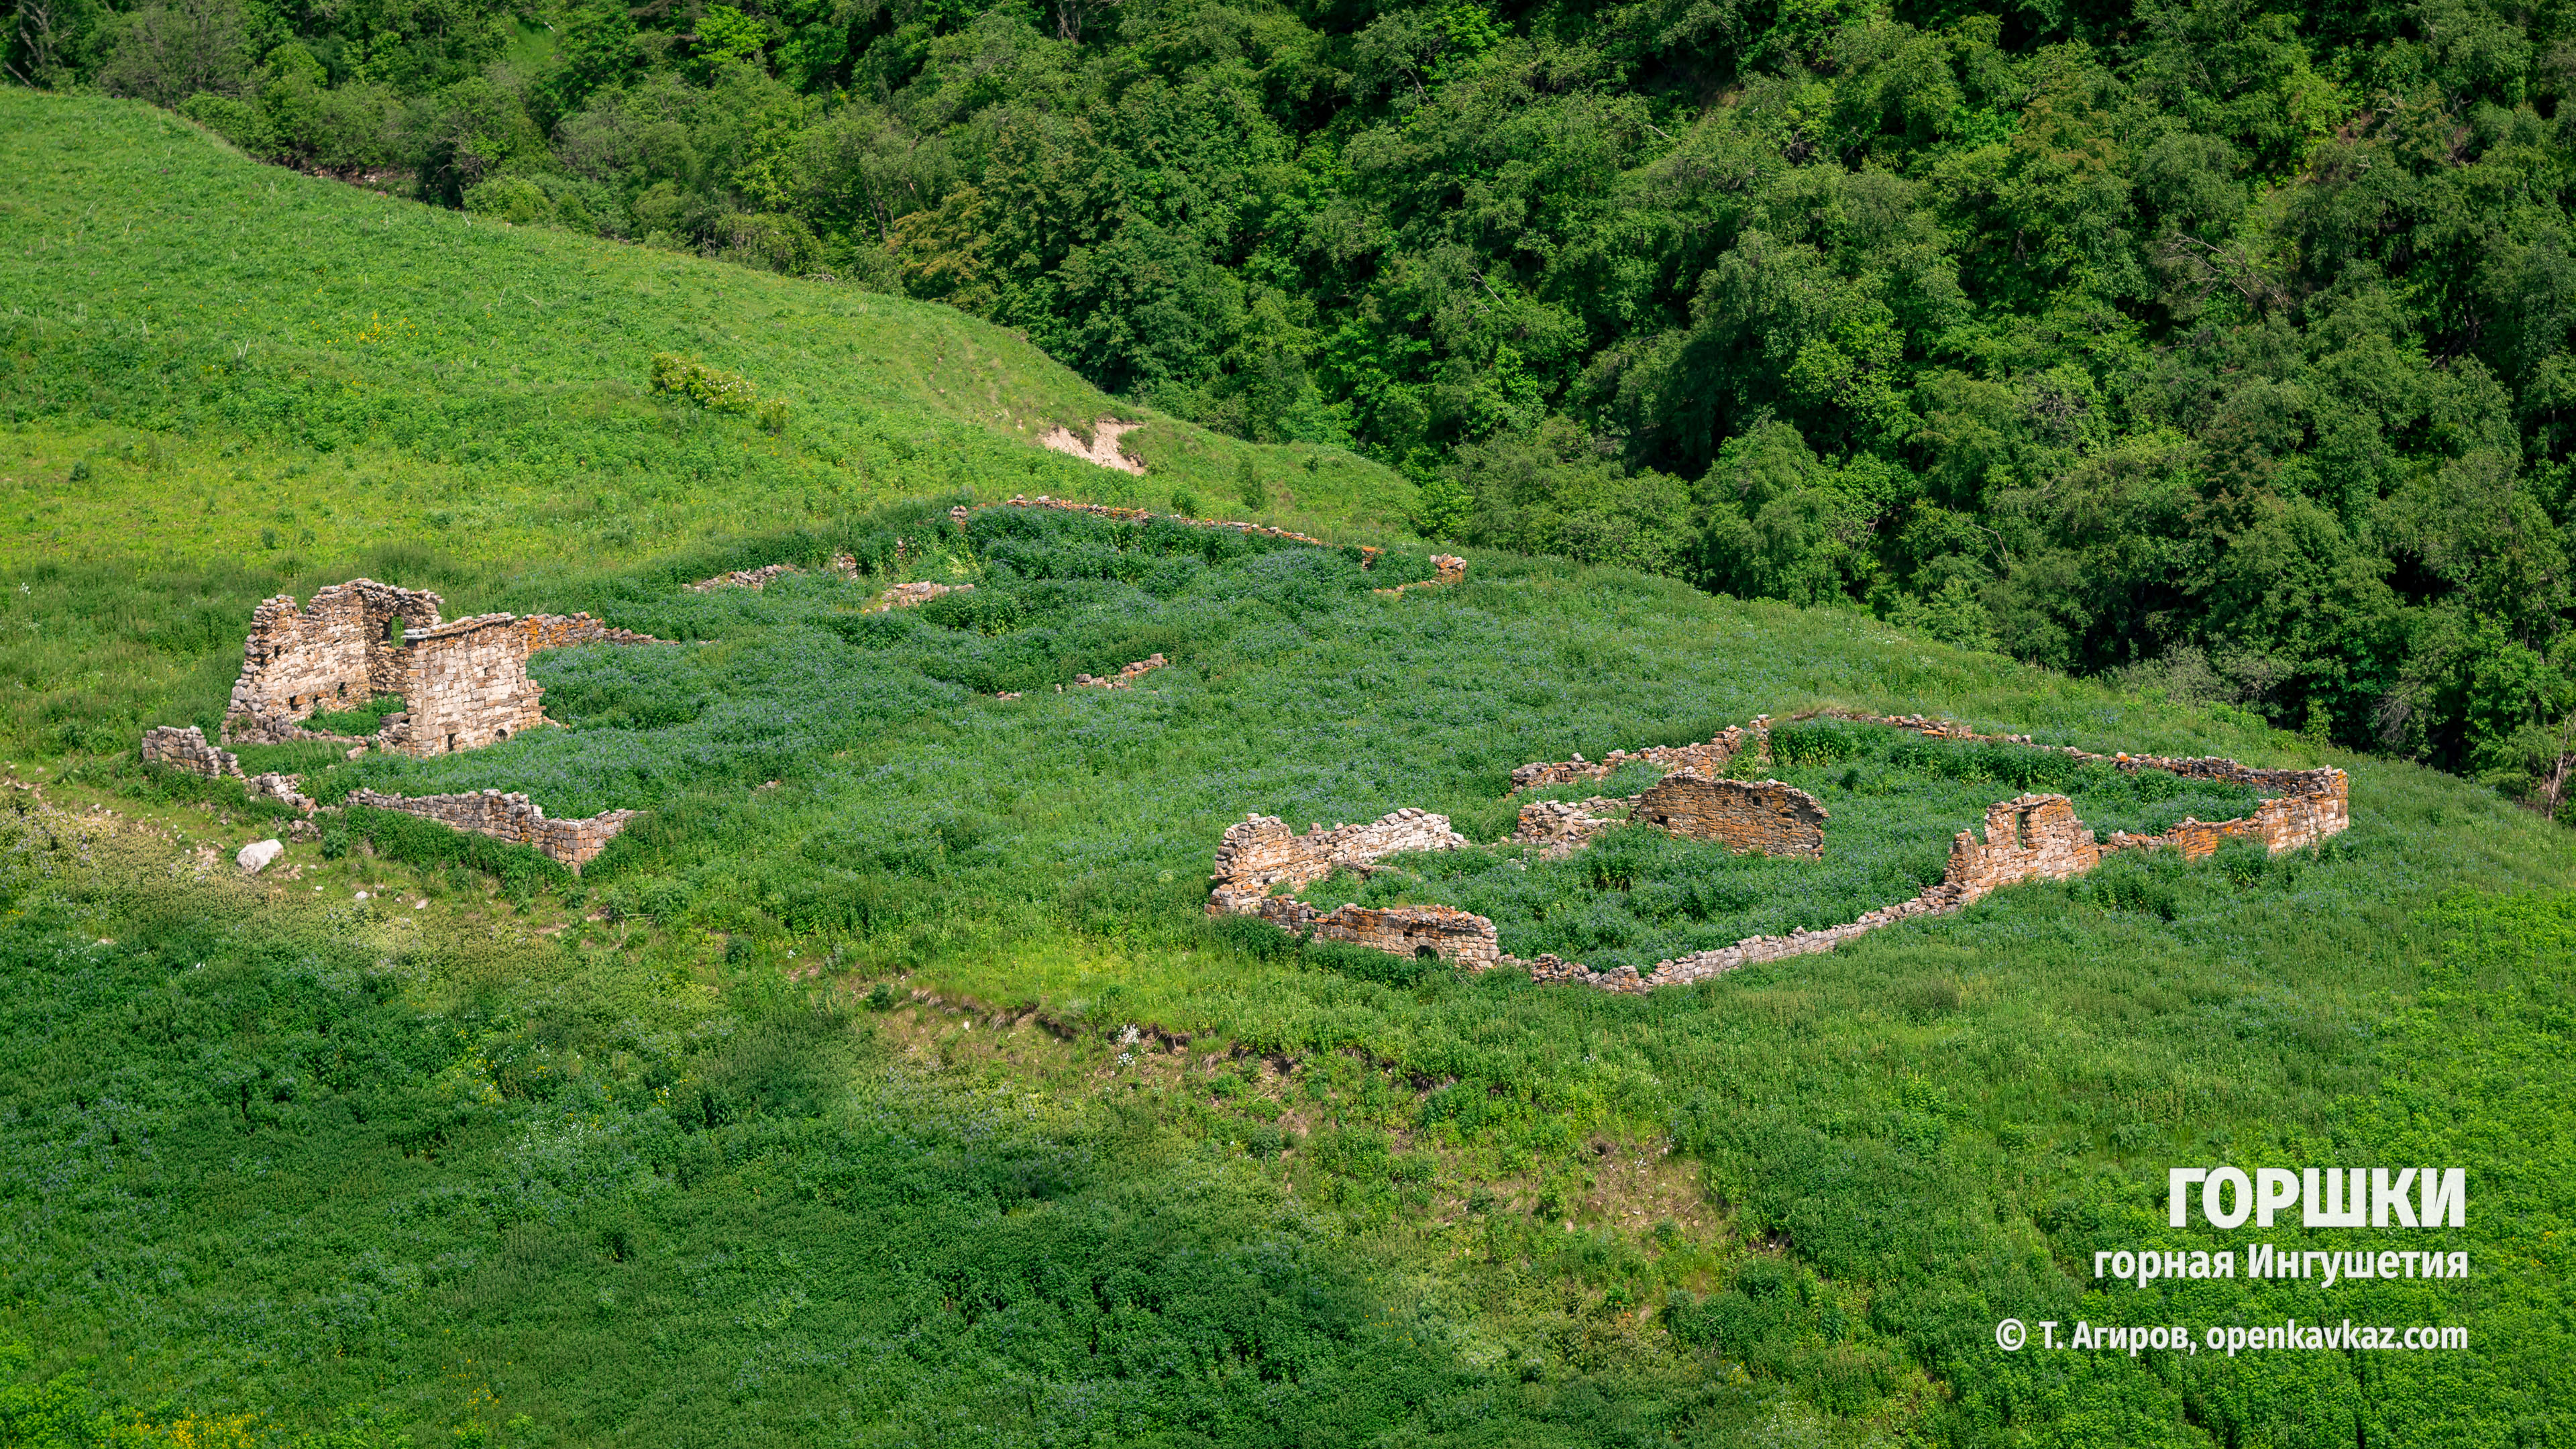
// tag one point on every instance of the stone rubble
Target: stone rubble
(1450, 569)
(1710, 759)
(1559, 828)
(1262, 853)
(280, 788)
(906, 596)
(1126, 676)
(753, 579)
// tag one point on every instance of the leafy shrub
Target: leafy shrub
(711, 388)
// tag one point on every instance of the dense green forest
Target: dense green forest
(2226, 344)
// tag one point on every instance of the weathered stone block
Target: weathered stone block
(1742, 815)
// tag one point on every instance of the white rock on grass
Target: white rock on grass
(255, 856)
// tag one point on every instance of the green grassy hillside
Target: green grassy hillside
(885, 1083)
(232, 380)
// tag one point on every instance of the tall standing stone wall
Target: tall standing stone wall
(335, 653)
(2029, 837)
(464, 685)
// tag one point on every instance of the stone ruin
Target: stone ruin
(1461, 938)
(1368, 554)
(489, 812)
(464, 682)
(1262, 854)
(510, 817)
(1260, 865)
(185, 748)
(1767, 816)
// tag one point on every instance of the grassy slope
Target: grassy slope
(1942, 1122)
(262, 378)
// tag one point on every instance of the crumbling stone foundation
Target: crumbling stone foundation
(1126, 676)
(509, 817)
(1368, 554)
(1559, 828)
(1710, 759)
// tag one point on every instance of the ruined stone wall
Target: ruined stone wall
(1126, 676)
(913, 595)
(1461, 938)
(2029, 837)
(1262, 852)
(284, 789)
(2307, 805)
(1710, 759)
(1743, 815)
(186, 749)
(465, 685)
(332, 654)
(1447, 568)
(561, 631)
(509, 817)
